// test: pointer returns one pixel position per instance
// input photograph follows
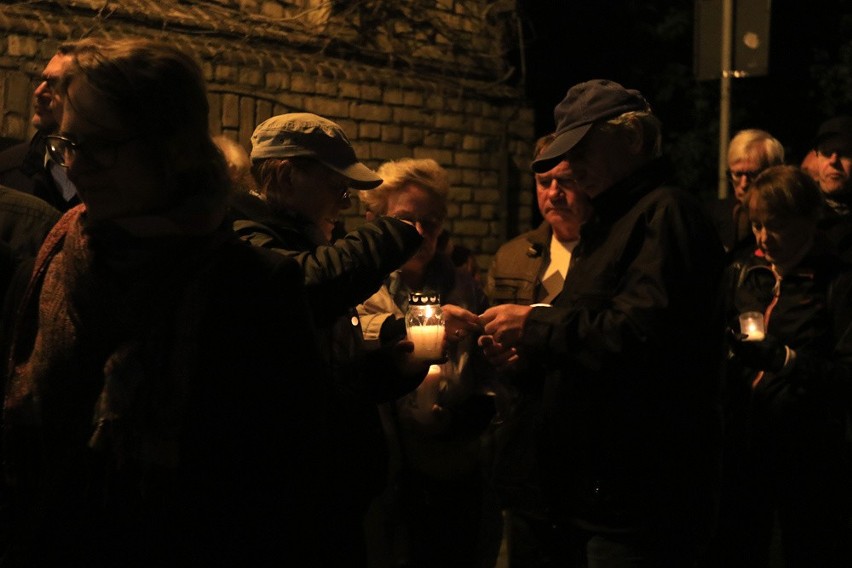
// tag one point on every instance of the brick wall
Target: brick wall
(422, 78)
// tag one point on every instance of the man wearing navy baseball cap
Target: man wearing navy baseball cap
(629, 350)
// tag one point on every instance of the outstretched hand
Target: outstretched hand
(505, 323)
(459, 323)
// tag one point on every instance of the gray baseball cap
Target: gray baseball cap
(311, 136)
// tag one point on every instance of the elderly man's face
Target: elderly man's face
(601, 159)
(834, 160)
(561, 203)
(743, 171)
(47, 110)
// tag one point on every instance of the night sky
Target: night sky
(573, 41)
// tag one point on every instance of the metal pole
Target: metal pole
(725, 95)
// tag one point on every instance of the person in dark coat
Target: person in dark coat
(304, 166)
(787, 459)
(154, 411)
(630, 349)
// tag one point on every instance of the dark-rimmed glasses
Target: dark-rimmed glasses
(737, 176)
(100, 153)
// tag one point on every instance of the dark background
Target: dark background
(648, 45)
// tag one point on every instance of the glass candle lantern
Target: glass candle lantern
(753, 326)
(424, 324)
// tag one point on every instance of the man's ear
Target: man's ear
(283, 171)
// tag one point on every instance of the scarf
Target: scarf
(118, 321)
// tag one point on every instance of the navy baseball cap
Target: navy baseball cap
(583, 105)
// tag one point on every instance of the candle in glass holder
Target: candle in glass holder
(424, 323)
(428, 341)
(751, 324)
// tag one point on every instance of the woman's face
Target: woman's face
(115, 172)
(418, 206)
(782, 239)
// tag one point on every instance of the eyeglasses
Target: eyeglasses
(100, 153)
(736, 176)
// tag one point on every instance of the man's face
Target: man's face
(601, 159)
(320, 193)
(47, 108)
(561, 204)
(834, 160)
(743, 171)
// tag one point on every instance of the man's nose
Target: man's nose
(553, 190)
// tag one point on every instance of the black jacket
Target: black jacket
(632, 348)
(337, 278)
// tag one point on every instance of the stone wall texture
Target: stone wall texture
(404, 78)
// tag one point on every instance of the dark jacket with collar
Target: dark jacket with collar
(632, 348)
(810, 311)
(516, 270)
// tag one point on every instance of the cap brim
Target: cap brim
(552, 155)
(359, 175)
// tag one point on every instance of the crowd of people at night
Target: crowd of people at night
(203, 367)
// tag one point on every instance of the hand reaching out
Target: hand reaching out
(505, 323)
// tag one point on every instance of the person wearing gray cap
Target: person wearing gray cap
(304, 166)
(629, 351)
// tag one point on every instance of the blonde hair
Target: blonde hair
(425, 174)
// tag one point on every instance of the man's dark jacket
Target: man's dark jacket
(632, 349)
